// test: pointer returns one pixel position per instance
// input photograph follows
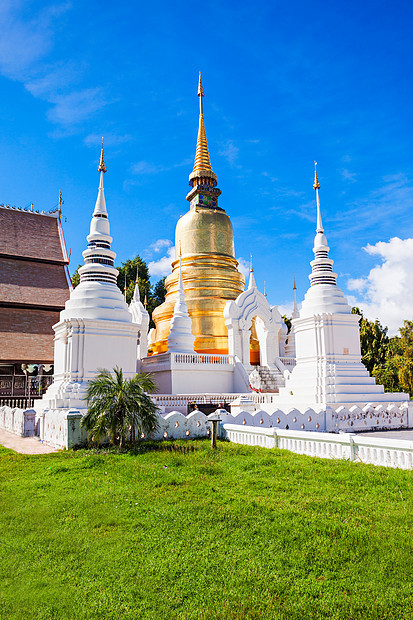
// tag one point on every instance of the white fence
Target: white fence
(387, 452)
(62, 428)
(202, 358)
(18, 421)
(371, 417)
(180, 401)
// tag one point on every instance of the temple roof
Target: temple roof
(26, 335)
(30, 283)
(34, 284)
(30, 235)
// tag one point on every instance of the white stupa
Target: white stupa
(181, 338)
(95, 328)
(328, 367)
(290, 346)
(140, 316)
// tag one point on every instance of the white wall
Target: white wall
(387, 452)
(18, 421)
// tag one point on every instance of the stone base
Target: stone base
(61, 428)
(196, 373)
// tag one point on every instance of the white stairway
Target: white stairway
(266, 379)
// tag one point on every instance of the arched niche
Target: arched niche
(239, 315)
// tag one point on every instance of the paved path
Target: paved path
(24, 445)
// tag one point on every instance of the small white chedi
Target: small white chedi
(96, 328)
(329, 370)
(140, 316)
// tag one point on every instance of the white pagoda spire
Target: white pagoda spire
(140, 316)
(251, 283)
(95, 329)
(323, 295)
(99, 258)
(322, 265)
(181, 338)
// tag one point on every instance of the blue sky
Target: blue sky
(284, 85)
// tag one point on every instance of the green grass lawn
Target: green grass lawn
(241, 532)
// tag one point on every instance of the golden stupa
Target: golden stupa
(205, 240)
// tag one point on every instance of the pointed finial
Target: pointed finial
(61, 202)
(316, 186)
(265, 290)
(295, 309)
(202, 162)
(102, 161)
(316, 183)
(251, 268)
(200, 94)
(180, 249)
(137, 275)
(145, 303)
(124, 289)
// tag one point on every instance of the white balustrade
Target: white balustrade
(289, 362)
(388, 452)
(202, 358)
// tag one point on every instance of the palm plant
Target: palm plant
(118, 407)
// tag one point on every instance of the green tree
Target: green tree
(373, 341)
(159, 291)
(405, 358)
(156, 298)
(118, 407)
(76, 277)
(127, 271)
(387, 374)
(153, 297)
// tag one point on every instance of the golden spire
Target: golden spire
(265, 290)
(61, 201)
(316, 183)
(294, 287)
(145, 303)
(102, 161)
(251, 268)
(124, 289)
(202, 162)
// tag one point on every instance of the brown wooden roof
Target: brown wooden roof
(28, 282)
(26, 335)
(33, 285)
(31, 235)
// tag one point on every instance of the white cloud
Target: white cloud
(348, 176)
(386, 293)
(110, 139)
(393, 199)
(286, 309)
(163, 266)
(244, 267)
(145, 167)
(158, 245)
(24, 49)
(23, 42)
(230, 152)
(76, 106)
